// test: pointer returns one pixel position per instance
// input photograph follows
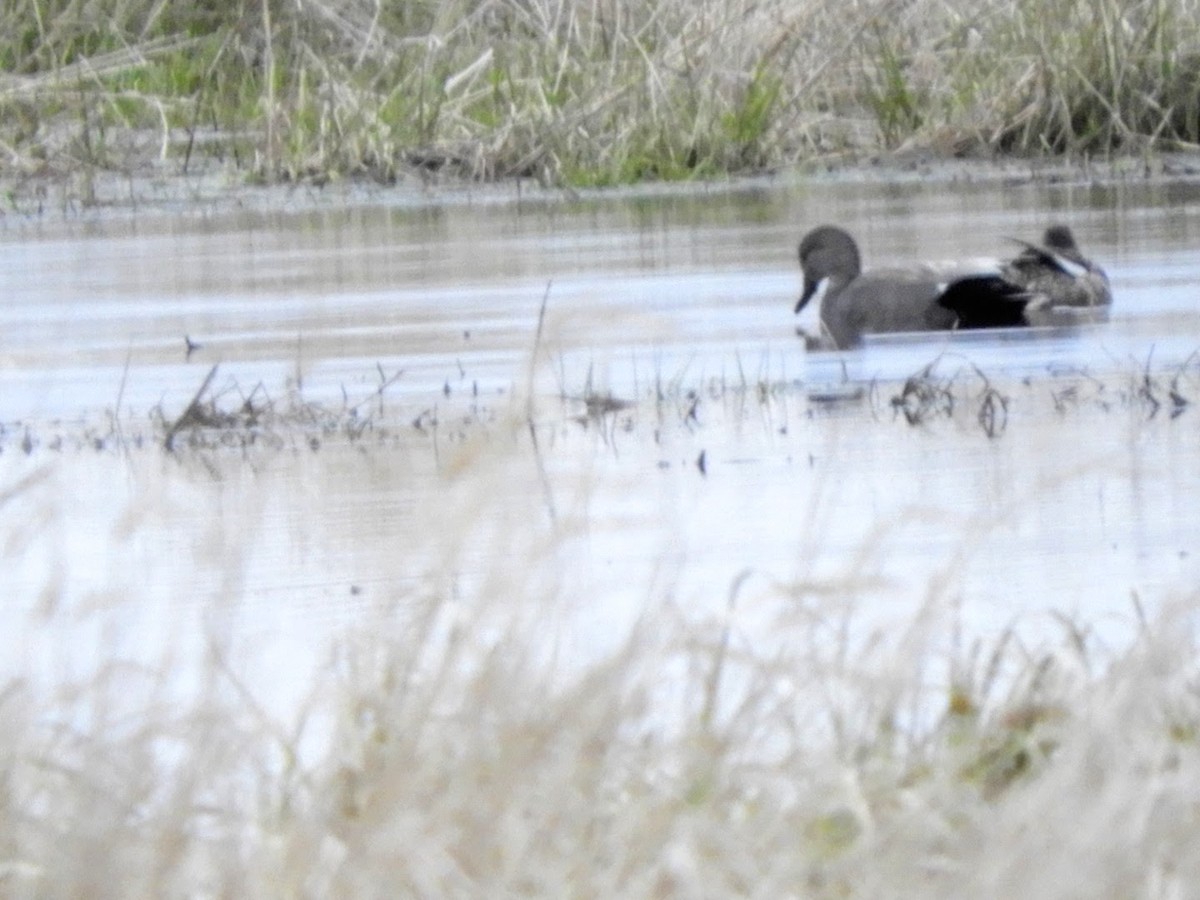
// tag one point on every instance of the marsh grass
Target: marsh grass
(451, 744)
(228, 415)
(583, 93)
(225, 414)
(465, 735)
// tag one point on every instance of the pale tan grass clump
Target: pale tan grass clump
(467, 738)
(491, 723)
(685, 765)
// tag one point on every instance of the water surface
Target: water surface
(721, 479)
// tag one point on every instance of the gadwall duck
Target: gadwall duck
(857, 302)
(1051, 283)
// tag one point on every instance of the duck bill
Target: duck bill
(810, 288)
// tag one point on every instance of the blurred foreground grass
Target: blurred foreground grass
(583, 93)
(465, 735)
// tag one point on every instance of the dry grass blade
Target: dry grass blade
(95, 68)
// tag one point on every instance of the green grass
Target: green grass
(575, 92)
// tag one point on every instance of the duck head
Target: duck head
(827, 252)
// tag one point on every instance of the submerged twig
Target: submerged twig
(529, 410)
(993, 412)
(116, 418)
(191, 412)
(924, 396)
(1145, 390)
(1178, 401)
(385, 382)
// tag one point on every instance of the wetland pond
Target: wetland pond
(686, 462)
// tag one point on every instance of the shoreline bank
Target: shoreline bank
(82, 194)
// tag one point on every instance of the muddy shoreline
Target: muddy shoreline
(155, 191)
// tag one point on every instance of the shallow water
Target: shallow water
(723, 479)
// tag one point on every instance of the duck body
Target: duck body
(883, 301)
(879, 301)
(1045, 284)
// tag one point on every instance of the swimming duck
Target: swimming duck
(1050, 283)
(857, 302)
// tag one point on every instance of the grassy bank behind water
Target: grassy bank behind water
(583, 91)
